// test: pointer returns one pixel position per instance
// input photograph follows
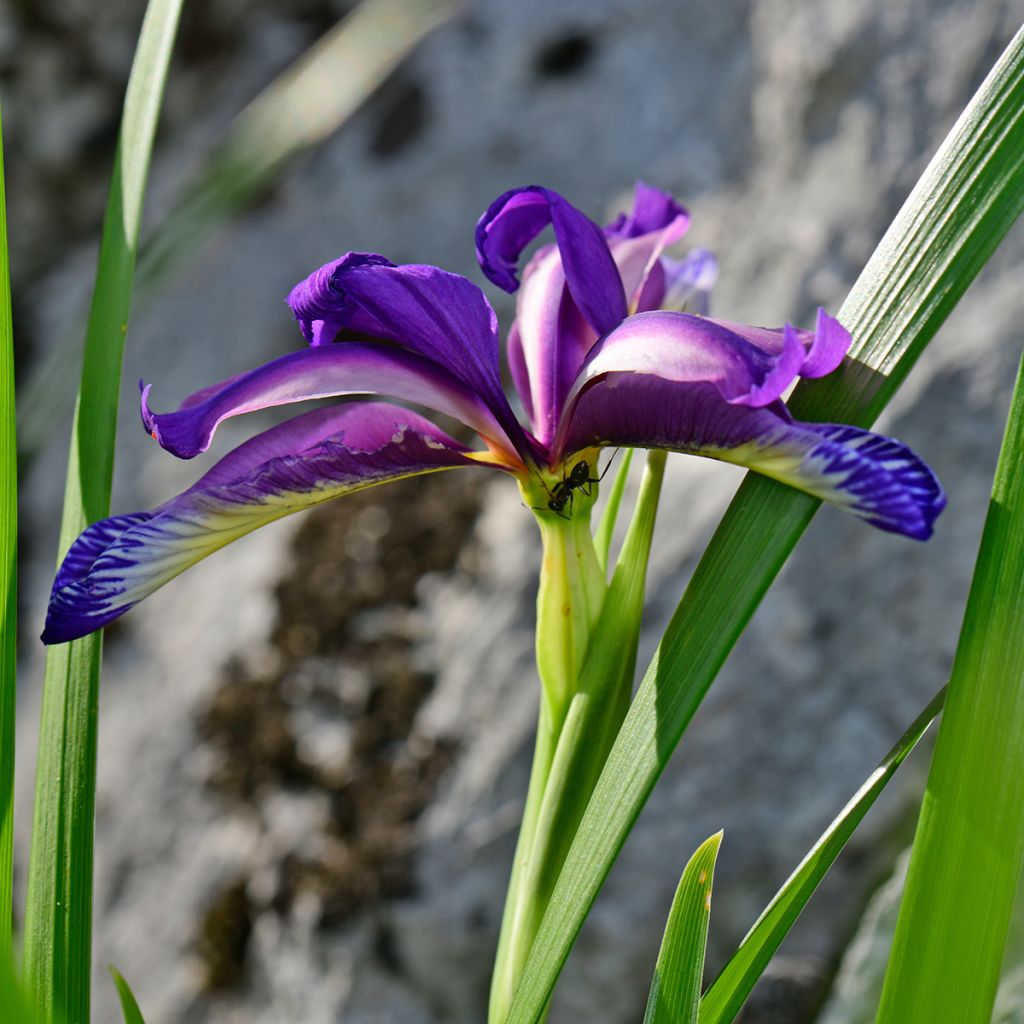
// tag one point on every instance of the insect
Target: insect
(579, 478)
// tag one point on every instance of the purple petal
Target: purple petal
(638, 239)
(683, 286)
(513, 220)
(554, 339)
(749, 365)
(831, 341)
(349, 368)
(320, 304)
(443, 317)
(311, 459)
(874, 477)
(653, 210)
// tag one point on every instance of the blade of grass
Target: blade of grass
(58, 914)
(129, 1005)
(967, 854)
(725, 998)
(678, 975)
(13, 1007)
(970, 194)
(8, 578)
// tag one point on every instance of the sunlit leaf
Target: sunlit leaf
(675, 990)
(726, 996)
(969, 848)
(58, 915)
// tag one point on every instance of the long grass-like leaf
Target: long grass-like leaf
(726, 996)
(969, 847)
(129, 1005)
(675, 990)
(13, 1007)
(8, 577)
(58, 915)
(965, 202)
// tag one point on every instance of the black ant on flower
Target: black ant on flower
(578, 479)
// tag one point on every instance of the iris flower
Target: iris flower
(601, 354)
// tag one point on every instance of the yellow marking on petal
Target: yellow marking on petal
(497, 457)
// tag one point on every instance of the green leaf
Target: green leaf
(969, 847)
(13, 1007)
(726, 996)
(675, 990)
(129, 1006)
(968, 197)
(8, 578)
(58, 916)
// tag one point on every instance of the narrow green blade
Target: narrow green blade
(8, 577)
(969, 848)
(129, 1006)
(726, 996)
(675, 990)
(968, 197)
(58, 914)
(13, 1007)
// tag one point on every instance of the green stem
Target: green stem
(586, 650)
(606, 525)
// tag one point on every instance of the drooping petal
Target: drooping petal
(349, 368)
(513, 220)
(313, 458)
(874, 477)
(426, 310)
(748, 365)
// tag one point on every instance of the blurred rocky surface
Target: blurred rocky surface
(251, 756)
(858, 983)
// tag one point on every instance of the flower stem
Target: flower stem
(584, 699)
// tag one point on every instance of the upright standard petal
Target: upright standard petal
(874, 477)
(548, 341)
(441, 316)
(748, 365)
(638, 239)
(350, 368)
(310, 459)
(682, 286)
(513, 220)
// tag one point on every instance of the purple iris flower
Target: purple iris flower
(610, 347)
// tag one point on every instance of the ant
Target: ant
(579, 479)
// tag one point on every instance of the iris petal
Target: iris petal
(749, 365)
(313, 458)
(638, 239)
(874, 477)
(423, 309)
(349, 368)
(513, 220)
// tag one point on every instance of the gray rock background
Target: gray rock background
(245, 870)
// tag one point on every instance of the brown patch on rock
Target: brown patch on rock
(223, 937)
(335, 714)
